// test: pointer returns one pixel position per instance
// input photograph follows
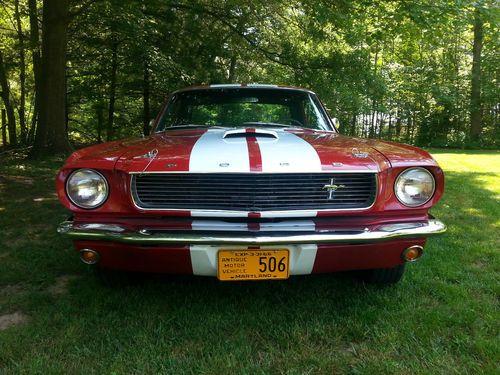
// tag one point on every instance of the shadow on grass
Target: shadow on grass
(195, 323)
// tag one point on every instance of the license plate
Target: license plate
(236, 265)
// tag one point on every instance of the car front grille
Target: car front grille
(252, 192)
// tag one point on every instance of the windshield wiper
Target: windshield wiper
(275, 124)
(188, 126)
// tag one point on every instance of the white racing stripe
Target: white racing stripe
(288, 153)
(212, 153)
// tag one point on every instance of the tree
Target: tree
(475, 97)
(6, 97)
(36, 63)
(392, 70)
(22, 73)
(51, 134)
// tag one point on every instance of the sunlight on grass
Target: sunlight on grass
(464, 161)
(321, 324)
(484, 165)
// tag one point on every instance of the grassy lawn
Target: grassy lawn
(442, 318)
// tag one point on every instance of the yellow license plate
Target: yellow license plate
(236, 265)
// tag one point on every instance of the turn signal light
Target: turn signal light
(412, 253)
(89, 256)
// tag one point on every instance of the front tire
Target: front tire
(384, 276)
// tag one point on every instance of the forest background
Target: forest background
(76, 72)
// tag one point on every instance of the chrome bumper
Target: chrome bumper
(118, 233)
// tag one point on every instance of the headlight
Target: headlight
(87, 188)
(414, 187)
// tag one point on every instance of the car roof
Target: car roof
(242, 86)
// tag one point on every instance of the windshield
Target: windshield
(243, 107)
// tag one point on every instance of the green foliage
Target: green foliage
(397, 70)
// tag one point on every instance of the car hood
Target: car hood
(218, 150)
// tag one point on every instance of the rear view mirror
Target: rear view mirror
(336, 122)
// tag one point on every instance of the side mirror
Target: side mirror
(336, 122)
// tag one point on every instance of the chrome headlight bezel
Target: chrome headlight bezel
(403, 175)
(97, 203)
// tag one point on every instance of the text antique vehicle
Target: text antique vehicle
(249, 182)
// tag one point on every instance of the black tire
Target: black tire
(384, 276)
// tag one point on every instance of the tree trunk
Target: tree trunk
(232, 68)
(146, 115)
(408, 128)
(475, 97)
(4, 128)
(35, 54)
(51, 135)
(100, 120)
(398, 123)
(22, 74)
(11, 117)
(372, 121)
(352, 131)
(112, 90)
(389, 129)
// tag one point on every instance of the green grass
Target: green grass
(442, 318)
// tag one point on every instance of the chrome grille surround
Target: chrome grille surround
(253, 192)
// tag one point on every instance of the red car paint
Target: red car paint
(115, 160)
(118, 158)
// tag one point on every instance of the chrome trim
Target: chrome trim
(414, 205)
(232, 213)
(114, 232)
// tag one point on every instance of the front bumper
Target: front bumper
(145, 236)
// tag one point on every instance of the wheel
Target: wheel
(111, 278)
(384, 275)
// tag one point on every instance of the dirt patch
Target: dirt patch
(12, 289)
(13, 319)
(4, 255)
(61, 285)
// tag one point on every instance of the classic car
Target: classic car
(250, 182)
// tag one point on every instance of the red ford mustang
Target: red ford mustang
(250, 182)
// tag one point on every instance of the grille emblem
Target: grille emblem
(332, 188)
